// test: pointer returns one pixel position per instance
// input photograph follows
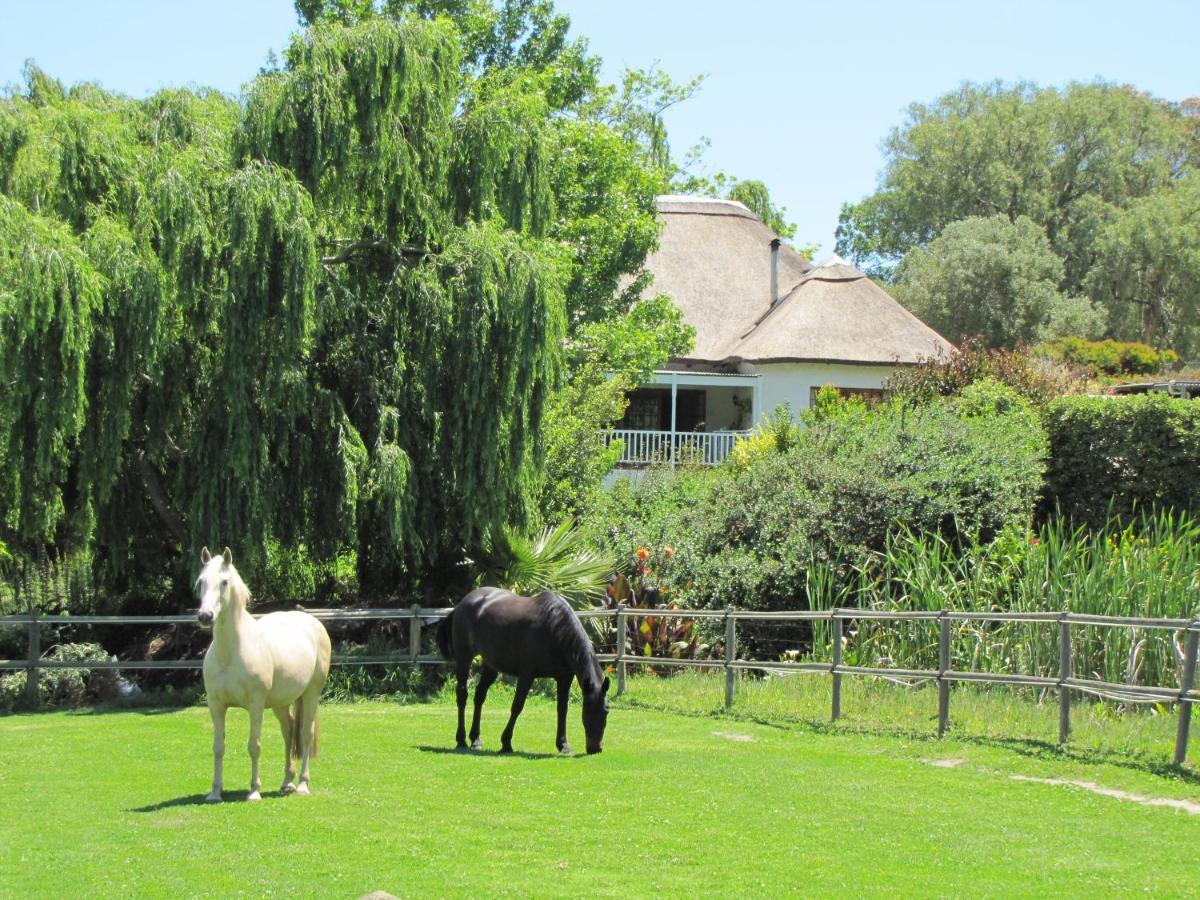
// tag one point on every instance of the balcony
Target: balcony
(644, 448)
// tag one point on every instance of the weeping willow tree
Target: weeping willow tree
(327, 317)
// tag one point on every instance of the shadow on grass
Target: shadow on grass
(1031, 748)
(202, 800)
(496, 754)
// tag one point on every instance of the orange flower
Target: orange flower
(642, 553)
(668, 552)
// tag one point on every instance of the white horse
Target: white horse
(254, 664)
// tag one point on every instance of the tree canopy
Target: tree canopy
(1074, 161)
(329, 316)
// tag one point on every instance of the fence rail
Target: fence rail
(1185, 694)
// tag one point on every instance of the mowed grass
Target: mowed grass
(108, 804)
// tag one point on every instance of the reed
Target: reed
(1148, 568)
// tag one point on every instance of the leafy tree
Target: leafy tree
(235, 324)
(984, 277)
(607, 359)
(1067, 159)
(1147, 269)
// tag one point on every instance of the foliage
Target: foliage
(557, 559)
(1068, 159)
(1115, 456)
(1030, 376)
(989, 278)
(1147, 568)
(606, 360)
(62, 687)
(645, 582)
(1147, 265)
(250, 310)
(1108, 357)
(957, 470)
(757, 535)
(776, 433)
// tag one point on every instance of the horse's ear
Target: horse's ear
(205, 556)
(604, 686)
(228, 557)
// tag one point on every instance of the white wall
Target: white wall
(793, 382)
(721, 413)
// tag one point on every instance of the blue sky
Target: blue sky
(798, 95)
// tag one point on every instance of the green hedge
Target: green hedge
(1119, 455)
(1109, 357)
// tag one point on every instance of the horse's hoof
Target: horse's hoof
(507, 748)
(213, 798)
(461, 748)
(477, 744)
(254, 795)
(565, 750)
(288, 788)
(302, 789)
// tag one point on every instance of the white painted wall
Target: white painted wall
(793, 382)
(720, 411)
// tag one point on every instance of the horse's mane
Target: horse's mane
(568, 630)
(238, 587)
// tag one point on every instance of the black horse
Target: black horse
(529, 637)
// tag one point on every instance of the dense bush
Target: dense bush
(1036, 379)
(748, 535)
(1109, 357)
(963, 470)
(1116, 455)
(63, 687)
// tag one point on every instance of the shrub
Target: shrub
(63, 687)
(1114, 456)
(1034, 378)
(557, 559)
(1109, 357)
(777, 433)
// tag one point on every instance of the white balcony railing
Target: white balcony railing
(672, 447)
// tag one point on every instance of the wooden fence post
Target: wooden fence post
(836, 712)
(620, 648)
(1064, 673)
(730, 655)
(943, 667)
(34, 654)
(1185, 685)
(414, 635)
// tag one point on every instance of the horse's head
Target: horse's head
(218, 586)
(595, 717)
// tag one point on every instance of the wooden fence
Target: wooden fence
(1184, 693)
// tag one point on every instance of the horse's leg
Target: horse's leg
(524, 682)
(217, 711)
(254, 748)
(486, 676)
(307, 726)
(284, 715)
(463, 672)
(564, 694)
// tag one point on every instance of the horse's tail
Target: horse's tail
(445, 636)
(297, 725)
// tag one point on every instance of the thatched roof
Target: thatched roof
(714, 259)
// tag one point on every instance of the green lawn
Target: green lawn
(108, 805)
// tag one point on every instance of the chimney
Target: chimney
(775, 242)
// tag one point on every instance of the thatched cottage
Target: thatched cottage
(770, 327)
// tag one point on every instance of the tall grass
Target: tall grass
(1148, 569)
